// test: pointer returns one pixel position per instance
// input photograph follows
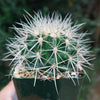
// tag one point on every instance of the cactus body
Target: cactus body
(50, 47)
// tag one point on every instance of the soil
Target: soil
(31, 74)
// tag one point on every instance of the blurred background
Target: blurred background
(88, 11)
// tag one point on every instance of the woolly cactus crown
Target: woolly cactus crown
(48, 46)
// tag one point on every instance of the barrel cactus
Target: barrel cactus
(49, 47)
